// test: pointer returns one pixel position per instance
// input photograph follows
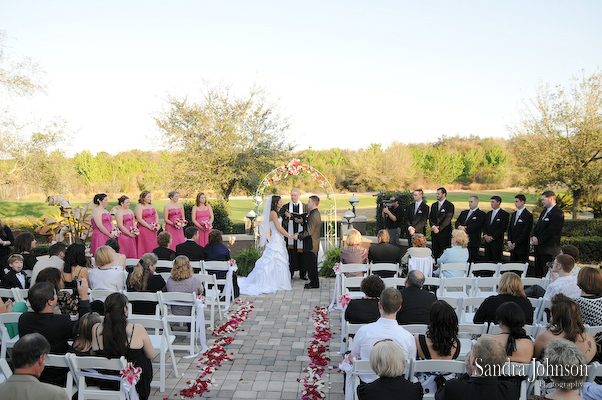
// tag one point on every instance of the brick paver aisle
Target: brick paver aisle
(270, 354)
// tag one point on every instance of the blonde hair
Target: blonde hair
(387, 359)
(83, 341)
(354, 237)
(460, 238)
(104, 255)
(181, 268)
(510, 283)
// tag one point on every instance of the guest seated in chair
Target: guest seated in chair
(418, 250)
(510, 288)
(458, 253)
(144, 279)
(389, 362)
(441, 340)
(215, 249)
(182, 280)
(511, 319)
(354, 253)
(383, 251)
(417, 301)
(163, 252)
(28, 358)
(365, 310)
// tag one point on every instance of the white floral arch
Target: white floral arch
(296, 168)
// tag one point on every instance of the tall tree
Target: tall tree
(558, 140)
(225, 141)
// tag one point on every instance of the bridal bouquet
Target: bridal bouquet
(115, 232)
(180, 223)
(155, 226)
(134, 231)
(206, 224)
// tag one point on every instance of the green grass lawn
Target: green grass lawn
(24, 212)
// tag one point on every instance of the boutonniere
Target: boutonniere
(520, 220)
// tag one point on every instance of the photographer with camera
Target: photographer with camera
(393, 216)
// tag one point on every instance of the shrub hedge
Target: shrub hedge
(590, 247)
(582, 227)
(221, 211)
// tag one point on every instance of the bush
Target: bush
(238, 228)
(245, 260)
(221, 220)
(581, 227)
(590, 247)
(331, 257)
(40, 250)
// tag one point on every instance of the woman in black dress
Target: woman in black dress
(365, 310)
(115, 337)
(163, 252)
(144, 279)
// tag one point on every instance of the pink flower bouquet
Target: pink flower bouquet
(180, 223)
(155, 226)
(206, 224)
(115, 232)
(134, 231)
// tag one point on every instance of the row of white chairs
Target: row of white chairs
(496, 269)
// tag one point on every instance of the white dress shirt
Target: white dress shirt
(384, 328)
(566, 285)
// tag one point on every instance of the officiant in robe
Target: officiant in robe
(295, 247)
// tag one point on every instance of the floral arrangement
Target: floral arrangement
(217, 353)
(206, 224)
(317, 351)
(131, 374)
(155, 226)
(134, 231)
(337, 267)
(115, 232)
(344, 300)
(293, 168)
(233, 264)
(180, 223)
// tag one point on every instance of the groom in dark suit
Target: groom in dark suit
(311, 242)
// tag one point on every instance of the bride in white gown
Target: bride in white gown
(271, 272)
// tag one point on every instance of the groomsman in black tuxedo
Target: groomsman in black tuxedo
(546, 235)
(471, 221)
(293, 226)
(440, 219)
(521, 223)
(496, 223)
(311, 242)
(417, 215)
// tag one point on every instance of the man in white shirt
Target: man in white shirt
(57, 255)
(566, 283)
(385, 328)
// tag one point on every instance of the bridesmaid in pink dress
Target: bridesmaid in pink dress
(202, 211)
(125, 221)
(172, 211)
(146, 214)
(102, 223)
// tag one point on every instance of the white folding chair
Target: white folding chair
(162, 343)
(83, 367)
(435, 366)
(520, 268)
(350, 333)
(21, 295)
(375, 269)
(5, 339)
(415, 329)
(347, 268)
(178, 298)
(536, 304)
(131, 262)
(486, 286)
(470, 305)
(143, 296)
(212, 268)
(163, 266)
(593, 330)
(394, 282)
(351, 286)
(543, 282)
(8, 293)
(433, 282)
(5, 370)
(594, 370)
(460, 267)
(455, 302)
(462, 287)
(211, 295)
(542, 317)
(422, 264)
(165, 275)
(100, 294)
(360, 367)
(490, 268)
(531, 330)
(466, 333)
(60, 361)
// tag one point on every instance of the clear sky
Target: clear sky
(349, 73)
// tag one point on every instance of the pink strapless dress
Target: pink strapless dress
(177, 235)
(99, 238)
(147, 240)
(203, 235)
(127, 245)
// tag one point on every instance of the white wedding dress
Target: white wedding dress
(271, 272)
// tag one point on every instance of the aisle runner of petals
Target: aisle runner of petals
(217, 353)
(317, 352)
